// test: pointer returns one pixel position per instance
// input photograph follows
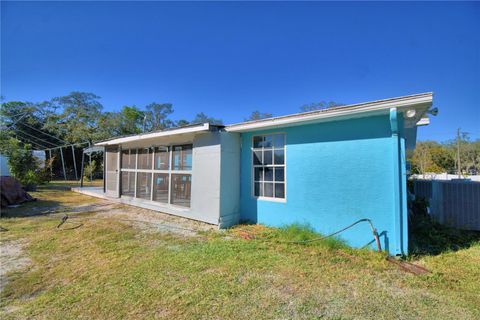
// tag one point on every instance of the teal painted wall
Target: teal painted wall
(337, 172)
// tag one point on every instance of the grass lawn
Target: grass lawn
(110, 269)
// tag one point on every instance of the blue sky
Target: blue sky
(227, 59)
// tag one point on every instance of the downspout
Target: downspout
(397, 182)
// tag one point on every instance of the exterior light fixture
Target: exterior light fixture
(411, 113)
(433, 111)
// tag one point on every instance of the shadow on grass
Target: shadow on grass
(30, 209)
(428, 237)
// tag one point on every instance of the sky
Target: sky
(227, 59)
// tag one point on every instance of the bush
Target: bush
(89, 170)
(23, 165)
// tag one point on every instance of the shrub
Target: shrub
(23, 165)
(89, 170)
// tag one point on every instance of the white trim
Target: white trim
(421, 101)
(166, 133)
(153, 166)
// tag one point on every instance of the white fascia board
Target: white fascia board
(420, 101)
(139, 137)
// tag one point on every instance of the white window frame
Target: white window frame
(273, 165)
(170, 171)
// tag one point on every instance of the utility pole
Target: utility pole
(459, 167)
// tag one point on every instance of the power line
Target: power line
(32, 142)
(36, 137)
(23, 123)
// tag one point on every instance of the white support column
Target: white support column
(153, 167)
(136, 172)
(170, 154)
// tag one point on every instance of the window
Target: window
(182, 157)
(144, 185)
(145, 158)
(129, 159)
(162, 158)
(268, 157)
(160, 187)
(128, 183)
(181, 187)
(161, 174)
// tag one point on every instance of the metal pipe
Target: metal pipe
(51, 162)
(63, 165)
(81, 170)
(90, 161)
(74, 163)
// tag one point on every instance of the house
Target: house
(326, 168)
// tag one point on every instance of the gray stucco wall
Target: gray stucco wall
(205, 201)
(215, 194)
(230, 179)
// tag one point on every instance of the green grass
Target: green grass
(110, 270)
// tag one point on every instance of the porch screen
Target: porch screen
(160, 174)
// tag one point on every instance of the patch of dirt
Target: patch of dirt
(11, 259)
(154, 221)
(147, 220)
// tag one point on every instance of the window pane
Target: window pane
(258, 176)
(267, 157)
(279, 190)
(258, 189)
(268, 174)
(181, 186)
(162, 158)
(144, 185)
(144, 158)
(268, 143)
(125, 159)
(279, 174)
(133, 159)
(182, 157)
(257, 141)
(160, 187)
(279, 141)
(279, 156)
(257, 157)
(268, 190)
(128, 183)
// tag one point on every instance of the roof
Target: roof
(193, 128)
(420, 102)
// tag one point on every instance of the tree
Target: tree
(422, 159)
(157, 116)
(79, 116)
(182, 122)
(25, 120)
(319, 106)
(257, 115)
(203, 118)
